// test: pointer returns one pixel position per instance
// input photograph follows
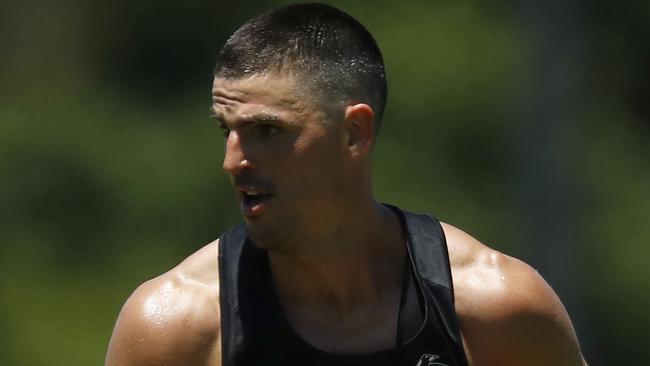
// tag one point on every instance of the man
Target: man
(320, 273)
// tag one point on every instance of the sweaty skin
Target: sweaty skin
(341, 291)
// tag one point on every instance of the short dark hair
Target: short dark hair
(317, 42)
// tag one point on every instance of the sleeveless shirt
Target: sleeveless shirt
(255, 331)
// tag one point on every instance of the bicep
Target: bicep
(533, 337)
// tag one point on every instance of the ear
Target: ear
(359, 123)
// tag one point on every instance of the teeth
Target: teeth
(252, 193)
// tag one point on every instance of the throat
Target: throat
(349, 300)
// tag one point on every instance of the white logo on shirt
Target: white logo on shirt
(429, 360)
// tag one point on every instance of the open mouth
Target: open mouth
(253, 203)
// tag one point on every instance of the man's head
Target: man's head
(299, 93)
(331, 54)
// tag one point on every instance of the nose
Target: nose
(235, 158)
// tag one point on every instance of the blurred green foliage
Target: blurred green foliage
(525, 124)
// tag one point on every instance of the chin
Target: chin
(263, 236)
(269, 233)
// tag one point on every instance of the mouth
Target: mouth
(253, 203)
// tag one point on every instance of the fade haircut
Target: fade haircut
(329, 50)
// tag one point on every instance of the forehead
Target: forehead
(268, 93)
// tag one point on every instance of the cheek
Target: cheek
(319, 174)
(315, 163)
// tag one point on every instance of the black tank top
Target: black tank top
(256, 332)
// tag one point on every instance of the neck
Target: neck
(361, 265)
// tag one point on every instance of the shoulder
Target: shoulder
(172, 319)
(508, 314)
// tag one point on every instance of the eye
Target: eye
(267, 130)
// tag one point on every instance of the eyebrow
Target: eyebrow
(249, 118)
(260, 117)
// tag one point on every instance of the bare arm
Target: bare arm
(171, 320)
(509, 315)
